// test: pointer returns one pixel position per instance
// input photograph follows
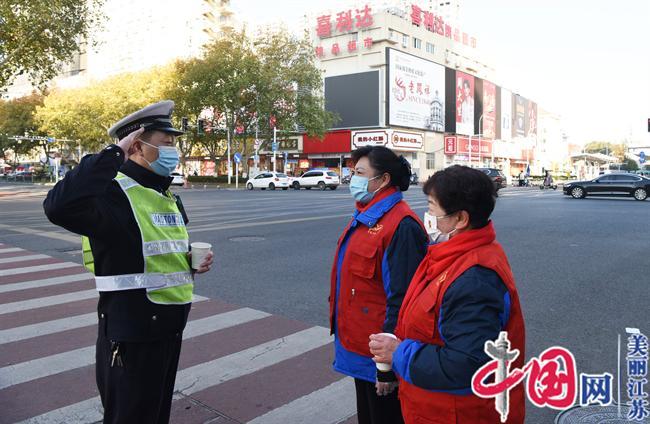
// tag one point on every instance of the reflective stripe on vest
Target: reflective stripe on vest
(167, 275)
(87, 255)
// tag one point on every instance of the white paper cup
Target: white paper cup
(199, 251)
(385, 367)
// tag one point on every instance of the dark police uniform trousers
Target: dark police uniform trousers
(138, 341)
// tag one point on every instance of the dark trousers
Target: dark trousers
(373, 409)
(138, 387)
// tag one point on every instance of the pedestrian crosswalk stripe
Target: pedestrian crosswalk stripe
(53, 281)
(331, 404)
(217, 371)
(41, 302)
(43, 328)
(47, 267)
(11, 250)
(22, 258)
(77, 358)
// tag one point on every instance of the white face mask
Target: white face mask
(431, 225)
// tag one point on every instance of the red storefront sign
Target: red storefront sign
(332, 142)
(460, 145)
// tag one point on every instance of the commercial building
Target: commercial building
(410, 78)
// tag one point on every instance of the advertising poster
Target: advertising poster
(464, 103)
(520, 117)
(531, 125)
(417, 92)
(506, 114)
(488, 126)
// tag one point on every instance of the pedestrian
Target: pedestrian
(136, 244)
(522, 179)
(377, 255)
(462, 295)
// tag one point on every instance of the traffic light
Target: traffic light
(184, 124)
(199, 126)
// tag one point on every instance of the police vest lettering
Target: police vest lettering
(167, 219)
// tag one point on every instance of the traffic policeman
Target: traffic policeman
(136, 243)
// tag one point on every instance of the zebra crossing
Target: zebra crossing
(238, 365)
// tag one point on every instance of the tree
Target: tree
(17, 119)
(630, 165)
(239, 83)
(38, 36)
(606, 148)
(84, 115)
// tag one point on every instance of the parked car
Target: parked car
(270, 180)
(320, 179)
(497, 176)
(610, 185)
(178, 178)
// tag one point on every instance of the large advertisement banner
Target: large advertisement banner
(461, 145)
(520, 117)
(416, 92)
(506, 114)
(531, 125)
(464, 103)
(488, 126)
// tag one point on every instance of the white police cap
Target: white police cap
(153, 117)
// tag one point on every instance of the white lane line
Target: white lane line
(65, 236)
(199, 377)
(11, 250)
(41, 302)
(22, 258)
(36, 268)
(331, 404)
(257, 224)
(45, 282)
(49, 365)
(48, 327)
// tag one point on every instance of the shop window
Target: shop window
(431, 160)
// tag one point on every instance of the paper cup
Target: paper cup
(385, 367)
(199, 252)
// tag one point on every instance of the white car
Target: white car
(270, 180)
(178, 179)
(320, 178)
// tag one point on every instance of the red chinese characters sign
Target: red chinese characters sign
(461, 145)
(437, 25)
(344, 21)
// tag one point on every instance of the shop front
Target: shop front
(409, 144)
(332, 151)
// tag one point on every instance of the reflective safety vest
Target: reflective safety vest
(167, 275)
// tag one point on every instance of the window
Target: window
(626, 178)
(606, 179)
(332, 174)
(417, 43)
(280, 175)
(430, 48)
(431, 160)
(405, 40)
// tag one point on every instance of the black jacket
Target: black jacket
(89, 202)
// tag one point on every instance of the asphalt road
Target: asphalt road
(582, 266)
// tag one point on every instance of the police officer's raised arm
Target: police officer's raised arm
(75, 202)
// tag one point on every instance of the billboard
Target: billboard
(506, 114)
(416, 92)
(464, 103)
(354, 98)
(519, 128)
(488, 126)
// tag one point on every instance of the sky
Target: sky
(587, 61)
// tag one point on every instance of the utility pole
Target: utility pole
(275, 132)
(228, 153)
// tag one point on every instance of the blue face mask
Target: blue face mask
(167, 160)
(359, 189)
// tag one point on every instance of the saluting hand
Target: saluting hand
(126, 143)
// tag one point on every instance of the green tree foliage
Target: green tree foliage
(38, 36)
(84, 115)
(17, 119)
(606, 148)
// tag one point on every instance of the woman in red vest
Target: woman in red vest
(377, 255)
(462, 295)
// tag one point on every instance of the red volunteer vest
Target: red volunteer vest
(418, 320)
(361, 304)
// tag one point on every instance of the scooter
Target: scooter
(548, 186)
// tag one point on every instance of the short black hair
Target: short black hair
(460, 188)
(384, 160)
(466, 83)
